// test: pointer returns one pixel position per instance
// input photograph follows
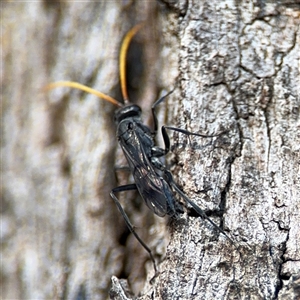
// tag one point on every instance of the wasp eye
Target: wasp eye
(130, 125)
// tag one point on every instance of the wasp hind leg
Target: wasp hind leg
(198, 210)
(124, 188)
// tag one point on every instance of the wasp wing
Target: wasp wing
(151, 186)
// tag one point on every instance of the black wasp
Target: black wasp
(152, 179)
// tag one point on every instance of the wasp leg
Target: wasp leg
(163, 129)
(188, 132)
(124, 188)
(200, 212)
(153, 110)
(158, 152)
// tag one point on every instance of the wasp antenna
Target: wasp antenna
(123, 52)
(82, 87)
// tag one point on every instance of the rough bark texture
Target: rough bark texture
(236, 65)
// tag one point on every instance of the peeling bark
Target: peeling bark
(236, 70)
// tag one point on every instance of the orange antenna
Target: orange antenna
(123, 52)
(82, 87)
(122, 62)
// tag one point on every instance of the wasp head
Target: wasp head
(129, 111)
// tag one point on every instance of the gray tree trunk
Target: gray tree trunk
(236, 70)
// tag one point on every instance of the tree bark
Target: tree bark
(235, 66)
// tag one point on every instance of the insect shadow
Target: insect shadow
(152, 179)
